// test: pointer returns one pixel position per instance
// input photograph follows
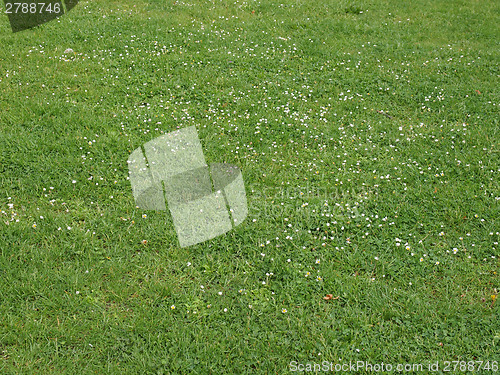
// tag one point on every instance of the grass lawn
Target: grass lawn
(367, 134)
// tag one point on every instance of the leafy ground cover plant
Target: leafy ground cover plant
(367, 135)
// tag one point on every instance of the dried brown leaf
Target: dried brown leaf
(329, 297)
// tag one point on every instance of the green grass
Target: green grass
(367, 133)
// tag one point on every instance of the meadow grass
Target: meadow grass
(367, 133)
